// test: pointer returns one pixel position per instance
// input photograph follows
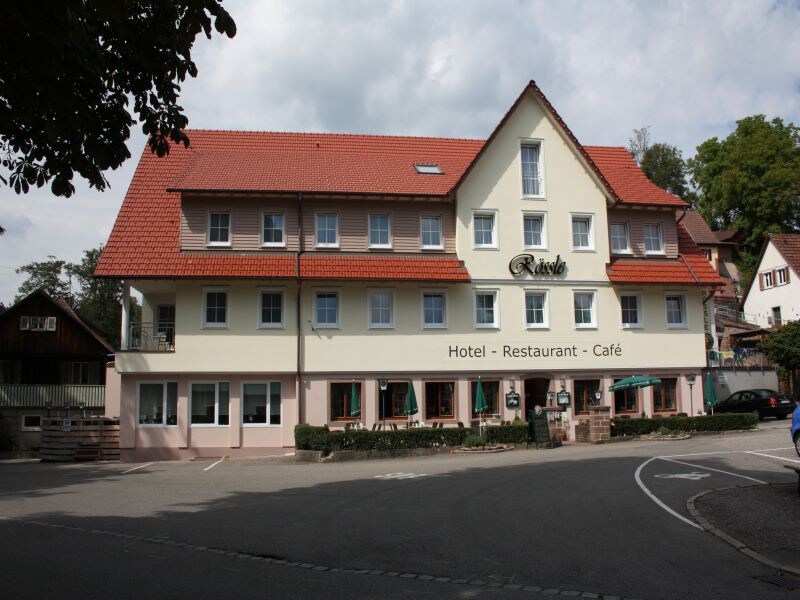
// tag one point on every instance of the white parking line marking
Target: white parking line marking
(778, 457)
(655, 499)
(209, 467)
(400, 476)
(725, 452)
(710, 469)
(139, 467)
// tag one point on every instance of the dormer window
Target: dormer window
(219, 229)
(428, 169)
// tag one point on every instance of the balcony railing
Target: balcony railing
(152, 337)
(740, 358)
(54, 396)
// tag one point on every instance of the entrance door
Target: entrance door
(165, 324)
(535, 393)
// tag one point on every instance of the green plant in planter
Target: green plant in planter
(473, 441)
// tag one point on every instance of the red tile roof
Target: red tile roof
(627, 180)
(789, 247)
(697, 227)
(145, 240)
(237, 161)
(690, 268)
(375, 267)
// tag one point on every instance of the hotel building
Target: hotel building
(279, 272)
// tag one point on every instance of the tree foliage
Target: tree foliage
(664, 166)
(98, 300)
(783, 346)
(68, 72)
(639, 143)
(52, 276)
(750, 181)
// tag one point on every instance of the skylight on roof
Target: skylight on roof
(428, 169)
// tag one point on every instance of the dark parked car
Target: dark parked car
(795, 430)
(765, 403)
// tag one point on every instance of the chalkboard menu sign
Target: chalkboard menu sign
(539, 429)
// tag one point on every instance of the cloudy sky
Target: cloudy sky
(687, 69)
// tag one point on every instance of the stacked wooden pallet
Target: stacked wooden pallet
(67, 440)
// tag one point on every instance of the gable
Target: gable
(39, 325)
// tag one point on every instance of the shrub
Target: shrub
(515, 433)
(473, 441)
(309, 437)
(723, 422)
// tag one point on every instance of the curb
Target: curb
(739, 545)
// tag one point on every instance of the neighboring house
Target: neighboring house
(52, 362)
(773, 297)
(312, 278)
(723, 317)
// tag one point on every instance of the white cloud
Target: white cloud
(452, 68)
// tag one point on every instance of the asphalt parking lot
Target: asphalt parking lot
(453, 526)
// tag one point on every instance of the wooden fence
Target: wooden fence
(67, 440)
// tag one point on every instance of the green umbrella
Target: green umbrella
(480, 399)
(411, 400)
(638, 381)
(355, 405)
(709, 394)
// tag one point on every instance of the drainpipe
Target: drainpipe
(125, 326)
(301, 394)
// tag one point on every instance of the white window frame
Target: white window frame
(590, 247)
(220, 244)
(781, 276)
(260, 308)
(495, 295)
(388, 217)
(164, 387)
(542, 216)
(627, 249)
(215, 324)
(23, 427)
(660, 229)
(593, 310)
(767, 279)
(540, 167)
(684, 324)
(269, 385)
(372, 293)
(282, 243)
(483, 214)
(431, 292)
(319, 244)
(639, 311)
(440, 245)
(326, 292)
(545, 324)
(216, 385)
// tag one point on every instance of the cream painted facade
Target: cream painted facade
(309, 360)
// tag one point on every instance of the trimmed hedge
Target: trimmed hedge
(310, 437)
(721, 422)
(515, 433)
